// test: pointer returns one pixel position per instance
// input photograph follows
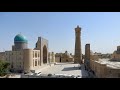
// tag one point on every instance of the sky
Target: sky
(100, 29)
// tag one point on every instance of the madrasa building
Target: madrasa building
(24, 59)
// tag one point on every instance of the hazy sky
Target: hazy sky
(100, 29)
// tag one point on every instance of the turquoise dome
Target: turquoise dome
(20, 38)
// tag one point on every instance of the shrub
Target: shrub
(3, 68)
(49, 74)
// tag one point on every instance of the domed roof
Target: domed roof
(20, 38)
(67, 54)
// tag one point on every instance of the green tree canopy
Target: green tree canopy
(3, 68)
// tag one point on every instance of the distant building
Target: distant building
(97, 56)
(116, 54)
(64, 57)
(2, 56)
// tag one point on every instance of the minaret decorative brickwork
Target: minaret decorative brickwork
(78, 51)
(87, 52)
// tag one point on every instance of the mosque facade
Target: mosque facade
(24, 59)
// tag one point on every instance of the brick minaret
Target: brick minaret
(87, 57)
(78, 53)
(87, 52)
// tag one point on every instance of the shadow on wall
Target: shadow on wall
(70, 68)
(84, 73)
(64, 63)
(114, 60)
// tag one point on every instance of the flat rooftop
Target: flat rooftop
(110, 64)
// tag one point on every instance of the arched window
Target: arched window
(38, 54)
(35, 62)
(35, 54)
(38, 62)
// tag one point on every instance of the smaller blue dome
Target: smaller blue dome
(20, 38)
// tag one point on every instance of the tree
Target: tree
(3, 68)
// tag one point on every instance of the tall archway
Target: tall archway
(44, 54)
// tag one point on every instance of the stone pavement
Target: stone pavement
(60, 69)
(66, 68)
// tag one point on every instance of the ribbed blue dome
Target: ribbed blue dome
(20, 38)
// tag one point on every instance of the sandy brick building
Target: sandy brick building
(103, 68)
(51, 57)
(64, 57)
(24, 59)
(116, 54)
